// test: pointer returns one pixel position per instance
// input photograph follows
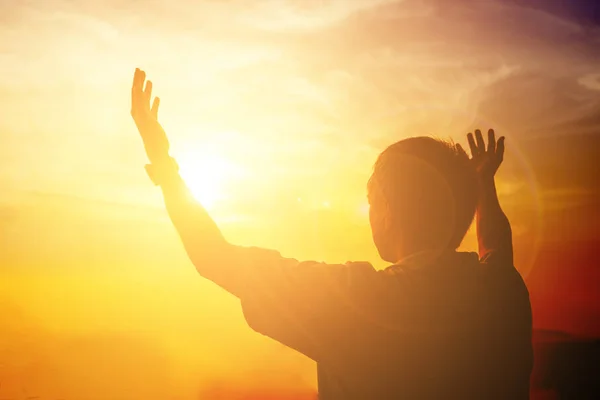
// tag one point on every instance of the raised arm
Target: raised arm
(211, 254)
(301, 304)
(494, 234)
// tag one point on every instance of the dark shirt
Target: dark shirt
(459, 329)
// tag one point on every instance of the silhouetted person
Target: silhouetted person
(436, 324)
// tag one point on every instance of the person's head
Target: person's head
(422, 196)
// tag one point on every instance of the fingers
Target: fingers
(148, 93)
(141, 95)
(137, 94)
(461, 151)
(154, 109)
(135, 74)
(136, 77)
(491, 141)
(500, 149)
(480, 142)
(472, 145)
(134, 90)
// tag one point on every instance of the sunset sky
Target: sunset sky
(276, 111)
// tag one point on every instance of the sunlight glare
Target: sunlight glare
(206, 175)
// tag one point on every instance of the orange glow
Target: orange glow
(276, 112)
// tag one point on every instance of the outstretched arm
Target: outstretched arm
(494, 234)
(211, 254)
(304, 305)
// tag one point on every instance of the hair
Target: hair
(425, 191)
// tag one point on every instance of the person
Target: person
(437, 323)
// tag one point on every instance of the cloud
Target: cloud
(299, 16)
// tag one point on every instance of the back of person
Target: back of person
(457, 329)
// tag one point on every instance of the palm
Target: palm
(485, 160)
(145, 117)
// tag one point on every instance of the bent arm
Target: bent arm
(494, 233)
(214, 257)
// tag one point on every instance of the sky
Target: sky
(276, 111)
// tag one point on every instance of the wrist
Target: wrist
(487, 194)
(159, 158)
(486, 182)
(163, 170)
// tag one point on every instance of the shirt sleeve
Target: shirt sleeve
(303, 305)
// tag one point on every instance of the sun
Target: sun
(206, 175)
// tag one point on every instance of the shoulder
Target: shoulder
(361, 271)
(360, 267)
(507, 285)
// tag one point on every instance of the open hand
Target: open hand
(146, 118)
(485, 160)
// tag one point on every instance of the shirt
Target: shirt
(457, 329)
